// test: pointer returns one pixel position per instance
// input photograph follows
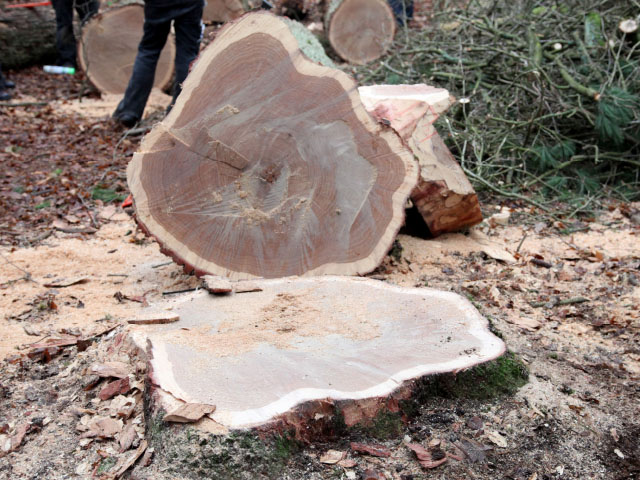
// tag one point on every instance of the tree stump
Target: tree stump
(360, 31)
(27, 36)
(444, 196)
(277, 357)
(108, 46)
(220, 11)
(269, 165)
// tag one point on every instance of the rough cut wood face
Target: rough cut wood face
(109, 45)
(361, 31)
(258, 355)
(443, 195)
(269, 166)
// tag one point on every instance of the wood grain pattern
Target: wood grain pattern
(360, 31)
(108, 47)
(269, 165)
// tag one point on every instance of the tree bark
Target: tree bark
(360, 31)
(269, 166)
(443, 196)
(27, 36)
(108, 46)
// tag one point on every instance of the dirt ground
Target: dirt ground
(565, 295)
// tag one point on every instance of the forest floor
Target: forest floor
(564, 294)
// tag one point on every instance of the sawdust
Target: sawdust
(112, 260)
(283, 323)
(105, 105)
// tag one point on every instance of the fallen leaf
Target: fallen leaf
(428, 458)
(117, 387)
(497, 439)
(189, 412)
(332, 457)
(127, 437)
(374, 450)
(125, 463)
(473, 450)
(111, 369)
(526, 323)
(347, 463)
(103, 427)
(491, 248)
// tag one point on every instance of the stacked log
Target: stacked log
(360, 31)
(27, 36)
(108, 47)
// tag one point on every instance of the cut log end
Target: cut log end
(109, 45)
(290, 349)
(269, 166)
(360, 31)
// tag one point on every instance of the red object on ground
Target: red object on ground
(127, 202)
(29, 5)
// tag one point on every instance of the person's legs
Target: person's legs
(156, 30)
(4, 95)
(65, 40)
(188, 28)
(86, 9)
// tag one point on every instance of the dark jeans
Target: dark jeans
(187, 22)
(65, 39)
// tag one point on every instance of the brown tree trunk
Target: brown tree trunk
(443, 196)
(360, 31)
(108, 46)
(27, 36)
(268, 165)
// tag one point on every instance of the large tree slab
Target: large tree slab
(278, 355)
(443, 195)
(269, 165)
(360, 31)
(108, 47)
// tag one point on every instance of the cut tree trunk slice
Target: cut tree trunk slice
(225, 10)
(269, 165)
(444, 196)
(108, 47)
(278, 354)
(360, 31)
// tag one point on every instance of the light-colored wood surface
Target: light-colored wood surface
(259, 355)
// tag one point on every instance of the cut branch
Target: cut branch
(443, 196)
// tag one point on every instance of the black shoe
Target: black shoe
(4, 96)
(9, 84)
(128, 121)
